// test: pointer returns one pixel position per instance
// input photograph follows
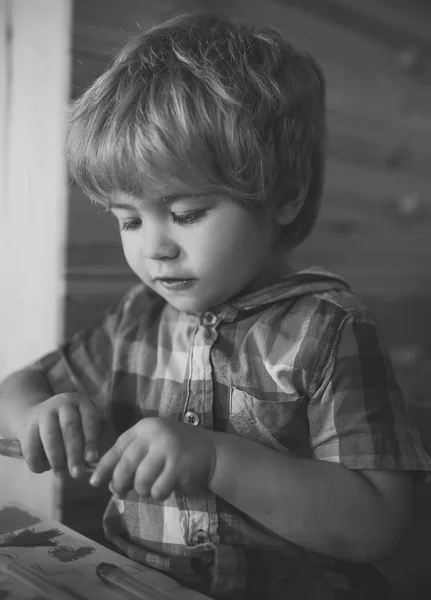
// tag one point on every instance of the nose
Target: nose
(156, 243)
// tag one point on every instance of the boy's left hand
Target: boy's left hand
(157, 456)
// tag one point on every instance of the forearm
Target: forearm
(19, 391)
(318, 505)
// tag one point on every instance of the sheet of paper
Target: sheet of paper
(67, 557)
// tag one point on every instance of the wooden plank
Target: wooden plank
(364, 235)
(408, 22)
(374, 183)
(371, 19)
(124, 18)
(379, 144)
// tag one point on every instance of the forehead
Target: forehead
(163, 192)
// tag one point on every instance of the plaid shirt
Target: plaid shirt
(298, 366)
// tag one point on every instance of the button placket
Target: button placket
(197, 410)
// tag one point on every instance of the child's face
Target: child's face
(197, 251)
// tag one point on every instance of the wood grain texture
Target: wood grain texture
(404, 17)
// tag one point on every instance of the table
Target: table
(69, 558)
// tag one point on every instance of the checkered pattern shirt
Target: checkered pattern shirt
(298, 366)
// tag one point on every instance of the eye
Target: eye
(130, 224)
(187, 218)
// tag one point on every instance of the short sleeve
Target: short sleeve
(359, 417)
(83, 363)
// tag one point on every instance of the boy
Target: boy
(264, 449)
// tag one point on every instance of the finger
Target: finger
(123, 475)
(165, 483)
(33, 452)
(147, 473)
(52, 440)
(107, 464)
(91, 427)
(69, 418)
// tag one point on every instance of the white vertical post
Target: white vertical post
(35, 40)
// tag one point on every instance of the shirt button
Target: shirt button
(199, 537)
(209, 318)
(191, 418)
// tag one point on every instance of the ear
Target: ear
(289, 206)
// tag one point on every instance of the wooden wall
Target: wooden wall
(375, 224)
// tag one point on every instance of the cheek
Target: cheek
(237, 243)
(231, 254)
(131, 253)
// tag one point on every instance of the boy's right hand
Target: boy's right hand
(61, 433)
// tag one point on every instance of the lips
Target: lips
(174, 284)
(173, 279)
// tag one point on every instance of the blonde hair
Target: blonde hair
(204, 99)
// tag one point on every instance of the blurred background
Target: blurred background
(375, 223)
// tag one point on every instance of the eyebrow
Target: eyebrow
(166, 199)
(122, 205)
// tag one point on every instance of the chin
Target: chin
(189, 305)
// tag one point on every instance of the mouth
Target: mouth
(173, 279)
(175, 283)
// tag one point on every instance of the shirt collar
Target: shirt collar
(292, 285)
